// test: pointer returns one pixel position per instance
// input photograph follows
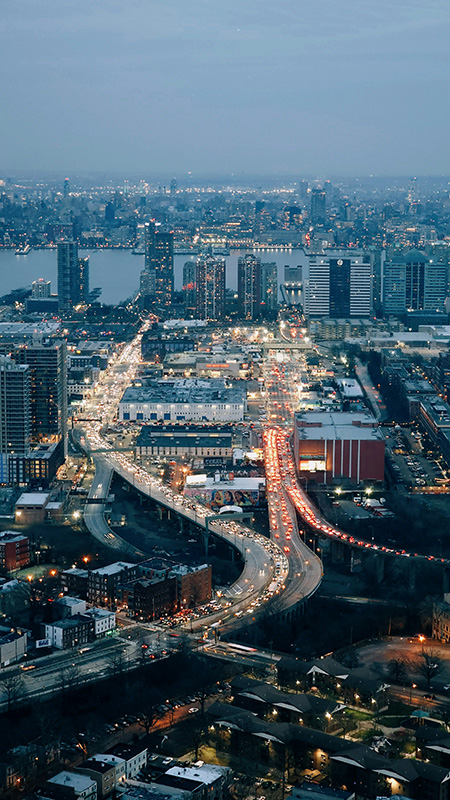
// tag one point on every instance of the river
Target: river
(117, 271)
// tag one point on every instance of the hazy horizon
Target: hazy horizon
(238, 87)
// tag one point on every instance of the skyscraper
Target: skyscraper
(83, 274)
(249, 287)
(210, 287)
(157, 276)
(269, 286)
(318, 206)
(73, 276)
(47, 365)
(14, 419)
(339, 285)
(189, 284)
(414, 282)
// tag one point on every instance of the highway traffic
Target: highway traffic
(265, 564)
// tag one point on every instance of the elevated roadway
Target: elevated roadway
(265, 565)
(305, 567)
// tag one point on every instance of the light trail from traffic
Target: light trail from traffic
(266, 566)
(311, 516)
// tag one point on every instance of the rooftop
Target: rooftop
(74, 780)
(185, 390)
(112, 569)
(337, 425)
(33, 499)
(9, 536)
(208, 773)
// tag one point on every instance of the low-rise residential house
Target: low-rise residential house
(135, 757)
(215, 778)
(103, 773)
(104, 621)
(68, 784)
(13, 646)
(441, 619)
(117, 762)
(75, 631)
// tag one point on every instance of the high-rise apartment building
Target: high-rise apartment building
(269, 286)
(339, 285)
(83, 277)
(414, 282)
(157, 276)
(318, 206)
(189, 284)
(40, 288)
(249, 287)
(210, 287)
(73, 276)
(47, 365)
(15, 424)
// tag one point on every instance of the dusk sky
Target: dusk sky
(301, 87)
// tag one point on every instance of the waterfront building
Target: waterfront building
(249, 286)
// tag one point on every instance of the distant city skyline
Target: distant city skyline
(208, 88)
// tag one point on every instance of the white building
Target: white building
(104, 620)
(82, 786)
(74, 605)
(215, 778)
(184, 399)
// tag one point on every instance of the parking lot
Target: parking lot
(410, 464)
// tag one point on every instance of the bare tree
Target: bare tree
(398, 669)
(13, 689)
(429, 666)
(116, 663)
(69, 677)
(150, 713)
(197, 734)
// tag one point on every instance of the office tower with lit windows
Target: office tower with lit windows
(47, 364)
(339, 285)
(269, 287)
(73, 276)
(413, 282)
(318, 206)
(157, 276)
(189, 285)
(249, 287)
(210, 287)
(15, 423)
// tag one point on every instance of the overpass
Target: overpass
(269, 571)
(260, 556)
(311, 516)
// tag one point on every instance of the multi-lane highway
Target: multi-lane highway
(265, 564)
(305, 568)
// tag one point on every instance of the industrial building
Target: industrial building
(184, 399)
(173, 440)
(335, 446)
